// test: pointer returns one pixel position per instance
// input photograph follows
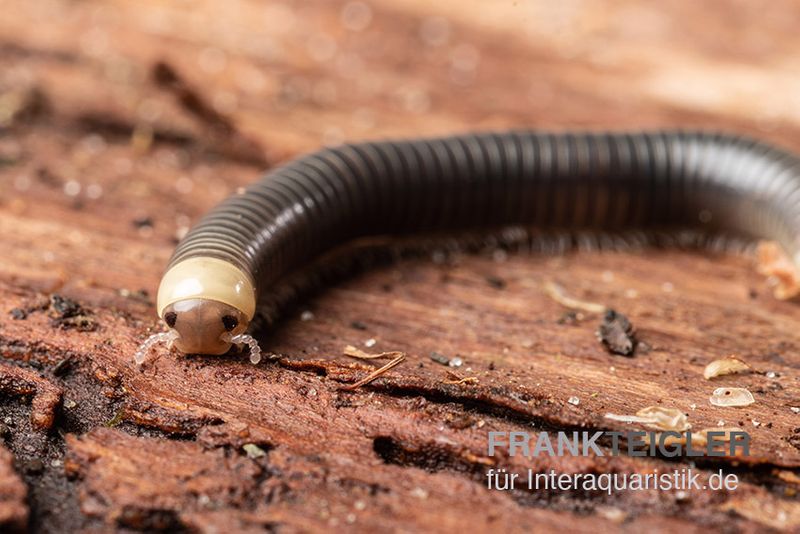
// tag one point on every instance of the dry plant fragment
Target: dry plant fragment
(781, 515)
(355, 352)
(665, 418)
(731, 397)
(657, 418)
(454, 379)
(253, 451)
(466, 380)
(375, 374)
(781, 272)
(787, 476)
(725, 366)
(557, 293)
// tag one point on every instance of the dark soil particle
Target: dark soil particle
(617, 334)
(143, 222)
(34, 466)
(496, 282)
(65, 307)
(570, 318)
(69, 314)
(62, 367)
(440, 358)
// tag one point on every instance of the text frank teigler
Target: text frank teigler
(633, 443)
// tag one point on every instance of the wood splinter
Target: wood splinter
(375, 374)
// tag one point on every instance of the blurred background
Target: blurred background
(292, 75)
(152, 111)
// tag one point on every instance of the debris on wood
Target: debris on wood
(46, 395)
(466, 380)
(455, 362)
(13, 509)
(253, 451)
(67, 314)
(570, 317)
(557, 293)
(65, 307)
(460, 421)
(143, 221)
(375, 374)
(787, 476)
(63, 366)
(23, 106)
(496, 282)
(455, 379)
(117, 419)
(617, 333)
(731, 397)
(781, 273)
(355, 352)
(665, 418)
(439, 358)
(611, 513)
(778, 514)
(656, 418)
(725, 366)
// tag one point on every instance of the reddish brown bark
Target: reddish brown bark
(124, 122)
(13, 509)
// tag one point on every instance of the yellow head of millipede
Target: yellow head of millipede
(207, 304)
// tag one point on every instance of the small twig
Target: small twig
(354, 352)
(457, 380)
(557, 293)
(465, 380)
(375, 374)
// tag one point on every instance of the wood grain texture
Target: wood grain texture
(122, 122)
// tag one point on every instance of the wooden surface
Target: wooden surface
(122, 122)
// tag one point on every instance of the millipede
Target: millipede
(603, 181)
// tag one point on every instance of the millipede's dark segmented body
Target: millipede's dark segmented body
(597, 181)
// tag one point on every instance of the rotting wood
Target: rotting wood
(13, 508)
(16, 381)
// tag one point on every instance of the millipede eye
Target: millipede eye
(230, 322)
(170, 318)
